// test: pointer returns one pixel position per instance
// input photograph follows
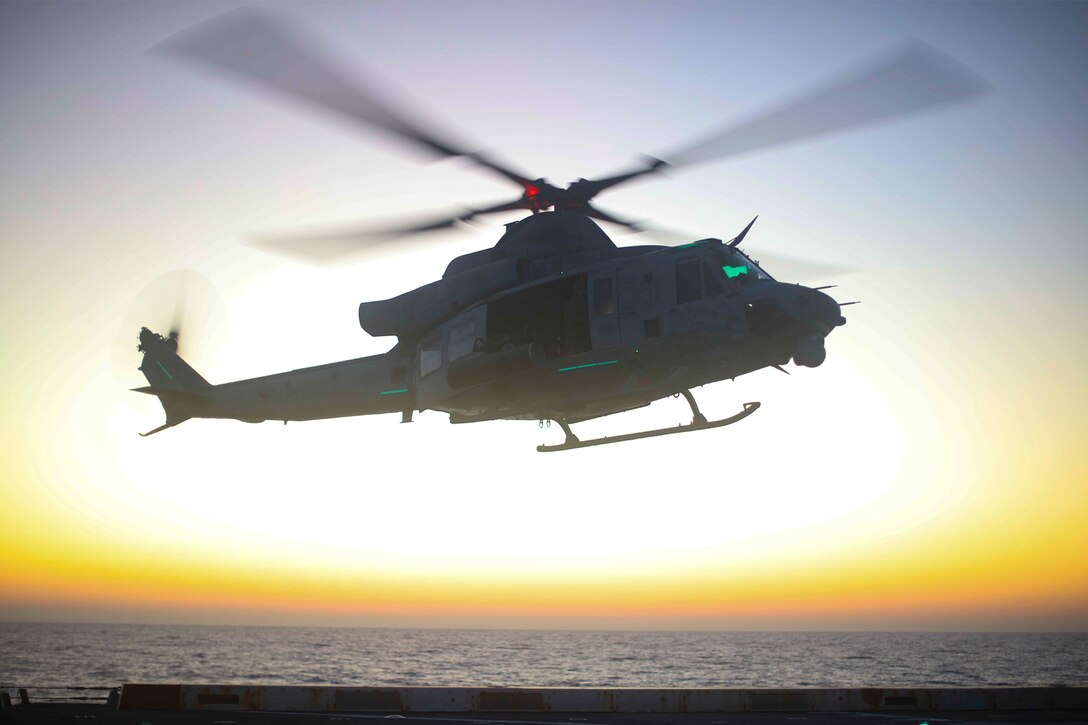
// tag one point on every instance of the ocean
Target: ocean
(42, 655)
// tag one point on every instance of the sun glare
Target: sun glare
(372, 487)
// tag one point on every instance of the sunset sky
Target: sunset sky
(932, 474)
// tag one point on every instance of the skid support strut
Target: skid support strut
(697, 418)
(572, 440)
(698, 422)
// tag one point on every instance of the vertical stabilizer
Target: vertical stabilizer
(176, 384)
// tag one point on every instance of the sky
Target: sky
(931, 475)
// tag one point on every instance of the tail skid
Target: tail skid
(162, 427)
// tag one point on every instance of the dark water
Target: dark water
(87, 654)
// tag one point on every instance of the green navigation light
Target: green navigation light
(588, 365)
(732, 272)
(163, 368)
(391, 392)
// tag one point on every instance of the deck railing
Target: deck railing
(13, 695)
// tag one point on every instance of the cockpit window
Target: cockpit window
(739, 266)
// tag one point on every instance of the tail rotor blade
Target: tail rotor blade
(182, 303)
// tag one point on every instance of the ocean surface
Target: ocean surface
(40, 655)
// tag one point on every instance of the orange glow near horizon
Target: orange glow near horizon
(1015, 563)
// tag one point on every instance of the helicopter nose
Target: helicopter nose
(818, 310)
(819, 314)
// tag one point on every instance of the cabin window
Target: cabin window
(462, 339)
(711, 281)
(689, 285)
(430, 355)
(604, 302)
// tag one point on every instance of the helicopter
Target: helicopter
(555, 322)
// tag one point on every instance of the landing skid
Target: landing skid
(699, 422)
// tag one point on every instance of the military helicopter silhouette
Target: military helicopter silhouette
(555, 322)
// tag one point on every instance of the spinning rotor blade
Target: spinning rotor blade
(260, 50)
(914, 79)
(265, 52)
(588, 188)
(473, 213)
(322, 247)
(596, 213)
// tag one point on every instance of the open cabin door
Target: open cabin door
(553, 315)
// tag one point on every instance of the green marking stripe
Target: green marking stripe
(732, 272)
(392, 392)
(163, 368)
(588, 365)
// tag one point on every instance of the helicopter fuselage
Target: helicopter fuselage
(572, 328)
(617, 335)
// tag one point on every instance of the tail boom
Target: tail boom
(363, 386)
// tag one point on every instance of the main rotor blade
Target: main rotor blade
(597, 213)
(589, 188)
(259, 49)
(323, 247)
(914, 79)
(335, 245)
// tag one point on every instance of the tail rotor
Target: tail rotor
(183, 308)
